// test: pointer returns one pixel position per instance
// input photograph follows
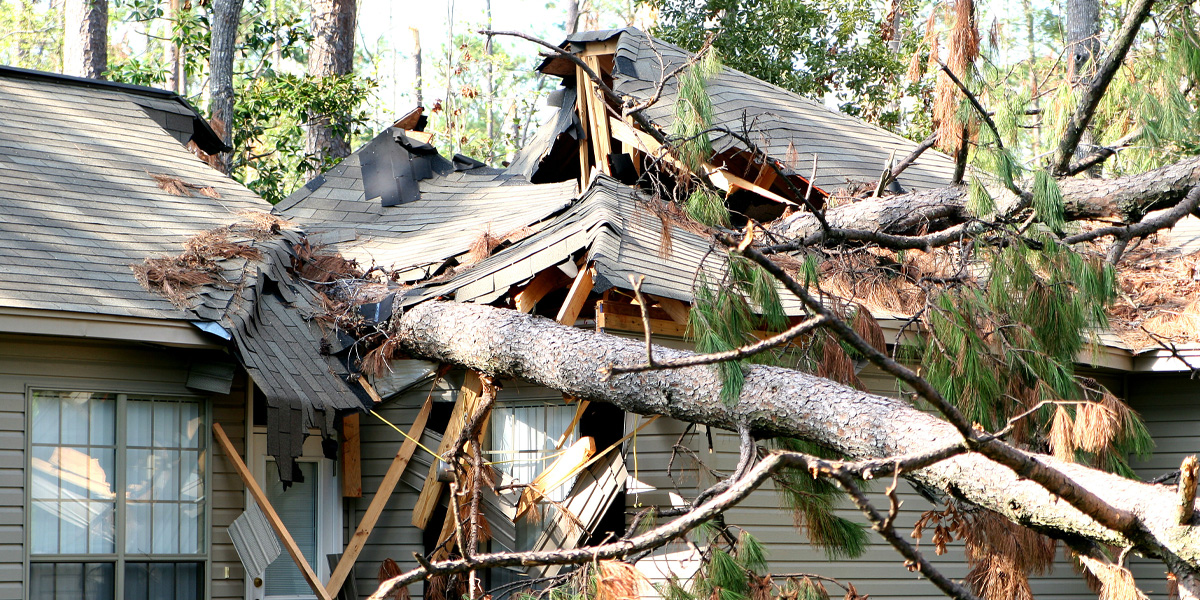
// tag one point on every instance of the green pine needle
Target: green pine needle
(1048, 202)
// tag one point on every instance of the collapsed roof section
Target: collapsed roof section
(789, 129)
(396, 203)
(246, 287)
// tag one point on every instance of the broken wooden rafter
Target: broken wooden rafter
(563, 468)
(543, 283)
(597, 115)
(726, 181)
(260, 498)
(379, 501)
(577, 296)
(464, 407)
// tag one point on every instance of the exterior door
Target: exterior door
(312, 514)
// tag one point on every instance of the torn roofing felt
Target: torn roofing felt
(786, 126)
(441, 206)
(272, 317)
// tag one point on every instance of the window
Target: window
(523, 440)
(117, 493)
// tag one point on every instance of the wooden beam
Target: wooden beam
(581, 109)
(272, 517)
(543, 283)
(609, 320)
(464, 406)
(721, 178)
(678, 311)
(600, 49)
(582, 406)
(576, 297)
(379, 501)
(351, 458)
(602, 138)
(563, 468)
(766, 175)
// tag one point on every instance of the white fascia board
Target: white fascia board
(1160, 360)
(167, 332)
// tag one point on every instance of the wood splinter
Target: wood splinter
(1188, 472)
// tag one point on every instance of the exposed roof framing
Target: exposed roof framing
(789, 128)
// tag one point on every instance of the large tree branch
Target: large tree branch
(781, 402)
(1090, 97)
(933, 218)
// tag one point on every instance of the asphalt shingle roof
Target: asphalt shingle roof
(79, 203)
(788, 127)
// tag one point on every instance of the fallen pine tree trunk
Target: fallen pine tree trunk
(781, 402)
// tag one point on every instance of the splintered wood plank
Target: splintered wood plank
(464, 406)
(721, 178)
(766, 176)
(563, 468)
(351, 458)
(601, 138)
(581, 108)
(577, 296)
(582, 406)
(543, 283)
(379, 501)
(260, 497)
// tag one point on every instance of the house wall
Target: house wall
(81, 364)
(394, 535)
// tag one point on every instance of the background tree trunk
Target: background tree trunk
(226, 14)
(176, 79)
(1083, 50)
(572, 23)
(416, 55)
(85, 38)
(331, 54)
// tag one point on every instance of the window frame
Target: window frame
(120, 557)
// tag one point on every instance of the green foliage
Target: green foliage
(979, 201)
(812, 502)
(30, 35)
(811, 47)
(268, 125)
(694, 113)
(1048, 203)
(705, 206)
(725, 313)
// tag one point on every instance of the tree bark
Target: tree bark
(176, 79)
(225, 16)
(416, 54)
(571, 25)
(1083, 46)
(331, 54)
(1123, 198)
(85, 38)
(780, 402)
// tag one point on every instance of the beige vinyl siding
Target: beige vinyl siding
(65, 363)
(394, 535)
(879, 573)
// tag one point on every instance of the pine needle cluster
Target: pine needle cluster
(726, 312)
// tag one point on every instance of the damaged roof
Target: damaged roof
(445, 212)
(786, 126)
(81, 201)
